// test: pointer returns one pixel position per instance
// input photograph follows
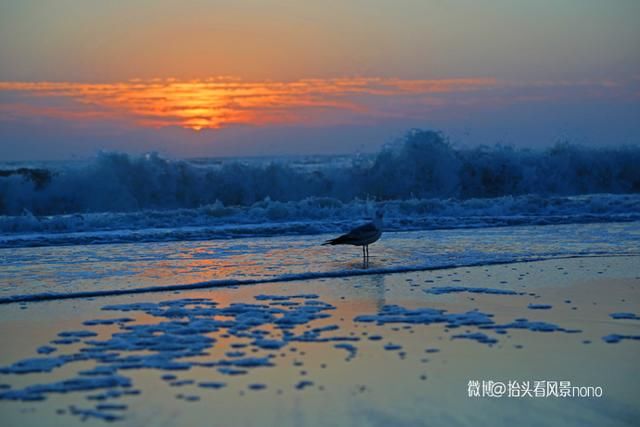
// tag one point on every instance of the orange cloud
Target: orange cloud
(225, 101)
(219, 102)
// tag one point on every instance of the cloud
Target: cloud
(220, 102)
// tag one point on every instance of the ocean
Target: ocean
(118, 222)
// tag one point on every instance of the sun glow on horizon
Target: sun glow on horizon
(221, 102)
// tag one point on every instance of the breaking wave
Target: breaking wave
(423, 181)
(311, 216)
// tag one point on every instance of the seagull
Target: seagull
(361, 236)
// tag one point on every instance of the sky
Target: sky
(267, 77)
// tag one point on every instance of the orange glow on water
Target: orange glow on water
(219, 102)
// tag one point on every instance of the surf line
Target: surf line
(50, 296)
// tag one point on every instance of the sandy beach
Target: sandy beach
(395, 349)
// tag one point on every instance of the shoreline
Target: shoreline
(34, 298)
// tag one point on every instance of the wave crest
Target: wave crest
(422, 165)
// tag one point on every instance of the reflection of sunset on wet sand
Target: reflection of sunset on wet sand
(353, 366)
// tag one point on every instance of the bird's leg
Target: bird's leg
(366, 247)
(363, 254)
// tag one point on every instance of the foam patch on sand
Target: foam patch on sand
(439, 290)
(626, 316)
(539, 306)
(427, 316)
(182, 334)
(476, 336)
(188, 329)
(616, 338)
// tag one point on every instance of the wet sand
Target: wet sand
(410, 374)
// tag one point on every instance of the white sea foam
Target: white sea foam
(423, 181)
(311, 216)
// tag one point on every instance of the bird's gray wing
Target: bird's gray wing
(355, 236)
(360, 234)
(363, 231)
